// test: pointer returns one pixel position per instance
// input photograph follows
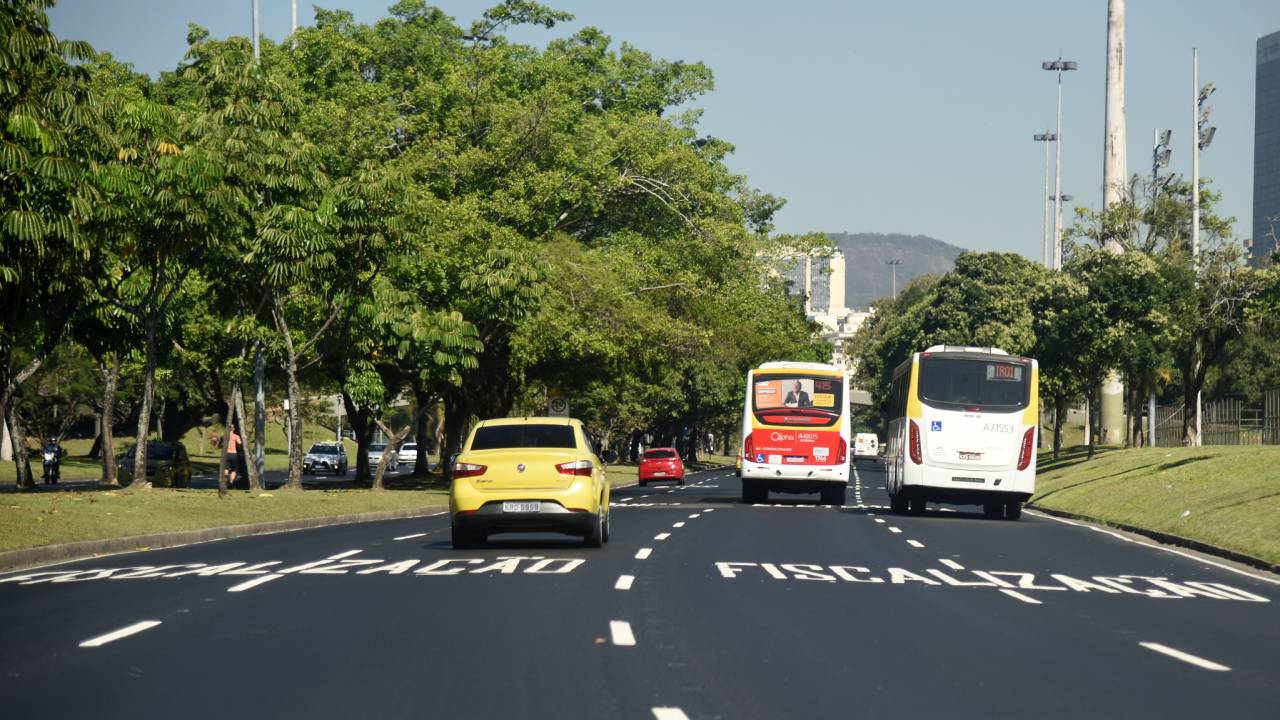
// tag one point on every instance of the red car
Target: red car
(661, 464)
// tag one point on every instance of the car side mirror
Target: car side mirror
(609, 456)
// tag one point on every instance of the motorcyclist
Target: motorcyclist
(53, 453)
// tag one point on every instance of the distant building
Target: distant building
(821, 281)
(1266, 147)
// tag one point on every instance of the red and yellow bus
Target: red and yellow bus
(795, 431)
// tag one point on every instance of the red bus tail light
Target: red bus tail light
(1028, 447)
(462, 470)
(842, 454)
(916, 456)
(748, 448)
(577, 467)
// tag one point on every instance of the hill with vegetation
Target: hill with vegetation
(868, 278)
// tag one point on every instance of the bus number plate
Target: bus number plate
(968, 479)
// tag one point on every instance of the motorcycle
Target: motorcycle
(52, 464)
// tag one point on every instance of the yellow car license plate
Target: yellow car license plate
(522, 506)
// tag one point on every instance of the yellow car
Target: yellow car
(529, 474)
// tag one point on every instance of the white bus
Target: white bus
(795, 431)
(962, 429)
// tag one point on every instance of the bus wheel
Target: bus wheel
(1013, 510)
(993, 510)
(898, 503)
(917, 506)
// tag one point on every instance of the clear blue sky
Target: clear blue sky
(911, 117)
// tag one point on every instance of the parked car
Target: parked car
(530, 474)
(658, 464)
(866, 446)
(167, 464)
(377, 450)
(325, 457)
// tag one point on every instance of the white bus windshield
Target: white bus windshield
(974, 384)
(797, 399)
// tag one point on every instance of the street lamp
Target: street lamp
(1059, 66)
(1201, 135)
(1045, 138)
(894, 265)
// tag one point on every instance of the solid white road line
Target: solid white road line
(253, 583)
(662, 536)
(624, 582)
(669, 713)
(678, 525)
(122, 632)
(1189, 556)
(643, 553)
(410, 537)
(915, 543)
(895, 530)
(620, 631)
(1185, 657)
(442, 512)
(1019, 596)
(951, 564)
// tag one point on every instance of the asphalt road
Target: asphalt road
(700, 607)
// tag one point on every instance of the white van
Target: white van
(866, 446)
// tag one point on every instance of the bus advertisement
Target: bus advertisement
(795, 431)
(962, 429)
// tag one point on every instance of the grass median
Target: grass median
(33, 519)
(1224, 496)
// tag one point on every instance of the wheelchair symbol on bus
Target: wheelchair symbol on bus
(935, 426)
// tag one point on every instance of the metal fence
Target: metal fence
(1225, 422)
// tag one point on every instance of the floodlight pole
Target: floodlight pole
(1058, 66)
(255, 31)
(1045, 138)
(893, 264)
(1195, 196)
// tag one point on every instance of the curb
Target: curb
(1168, 539)
(30, 557)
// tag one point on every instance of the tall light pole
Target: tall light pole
(255, 31)
(894, 265)
(1059, 66)
(1045, 138)
(1201, 135)
(1115, 179)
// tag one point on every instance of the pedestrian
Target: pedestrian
(233, 455)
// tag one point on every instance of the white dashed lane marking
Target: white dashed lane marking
(662, 536)
(624, 582)
(678, 525)
(643, 553)
(1185, 657)
(1019, 596)
(915, 543)
(879, 520)
(694, 516)
(895, 530)
(410, 537)
(253, 583)
(669, 713)
(620, 632)
(121, 633)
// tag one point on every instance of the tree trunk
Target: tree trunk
(1059, 418)
(251, 467)
(421, 463)
(260, 415)
(110, 379)
(362, 431)
(144, 413)
(456, 414)
(393, 444)
(294, 415)
(21, 455)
